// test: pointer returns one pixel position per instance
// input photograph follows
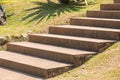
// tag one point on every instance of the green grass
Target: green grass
(16, 12)
(104, 66)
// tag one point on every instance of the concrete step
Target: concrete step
(10, 74)
(86, 31)
(81, 43)
(104, 14)
(116, 1)
(73, 56)
(97, 22)
(32, 65)
(110, 6)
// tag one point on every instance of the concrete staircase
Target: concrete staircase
(65, 47)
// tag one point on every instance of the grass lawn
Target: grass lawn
(59, 14)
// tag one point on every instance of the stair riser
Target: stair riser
(76, 44)
(95, 22)
(110, 6)
(101, 14)
(41, 53)
(33, 70)
(85, 33)
(79, 60)
(116, 1)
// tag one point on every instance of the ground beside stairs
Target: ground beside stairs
(104, 66)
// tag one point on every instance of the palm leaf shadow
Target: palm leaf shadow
(48, 10)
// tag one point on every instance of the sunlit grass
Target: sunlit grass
(13, 1)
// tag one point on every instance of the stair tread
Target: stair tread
(74, 38)
(105, 11)
(116, 1)
(111, 7)
(32, 61)
(88, 28)
(61, 50)
(111, 3)
(105, 19)
(7, 74)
